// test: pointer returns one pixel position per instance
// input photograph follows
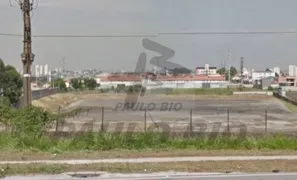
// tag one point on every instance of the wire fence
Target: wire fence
(104, 119)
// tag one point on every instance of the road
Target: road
(169, 176)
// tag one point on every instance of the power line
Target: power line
(153, 34)
(229, 33)
(77, 36)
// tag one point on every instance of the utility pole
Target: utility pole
(229, 58)
(241, 71)
(27, 55)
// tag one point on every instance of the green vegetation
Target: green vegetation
(140, 141)
(76, 83)
(225, 72)
(60, 83)
(11, 83)
(290, 106)
(90, 83)
(84, 83)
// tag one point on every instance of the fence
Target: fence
(37, 94)
(227, 121)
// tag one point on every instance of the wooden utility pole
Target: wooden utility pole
(27, 55)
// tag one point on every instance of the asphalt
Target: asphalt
(167, 176)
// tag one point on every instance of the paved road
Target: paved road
(157, 160)
(170, 176)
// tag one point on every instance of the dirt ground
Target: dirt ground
(251, 113)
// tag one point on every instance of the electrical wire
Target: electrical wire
(154, 34)
(76, 36)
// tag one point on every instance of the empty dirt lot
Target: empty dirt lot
(209, 113)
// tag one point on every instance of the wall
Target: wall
(169, 84)
(37, 94)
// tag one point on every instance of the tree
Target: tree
(77, 83)
(222, 71)
(11, 83)
(181, 70)
(225, 72)
(60, 83)
(91, 84)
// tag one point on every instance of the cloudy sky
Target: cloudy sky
(122, 17)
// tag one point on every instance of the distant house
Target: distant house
(206, 70)
(258, 75)
(179, 81)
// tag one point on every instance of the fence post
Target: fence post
(102, 119)
(266, 121)
(145, 120)
(228, 121)
(58, 119)
(191, 121)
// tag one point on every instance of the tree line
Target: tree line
(11, 84)
(76, 84)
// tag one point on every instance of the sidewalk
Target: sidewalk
(156, 160)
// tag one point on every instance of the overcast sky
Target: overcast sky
(107, 17)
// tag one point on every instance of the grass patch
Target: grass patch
(139, 141)
(221, 166)
(290, 106)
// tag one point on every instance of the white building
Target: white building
(258, 75)
(37, 70)
(292, 70)
(206, 70)
(276, 70)
(45, 69)
(41, 70)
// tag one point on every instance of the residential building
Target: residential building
(288, 81)
(258, 75)
(292, 70)
(45, 69)
(41, 70)
(180, 81)
(206, 70)
(277, 70)
(37, 70)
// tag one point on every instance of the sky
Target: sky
(123, 17)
